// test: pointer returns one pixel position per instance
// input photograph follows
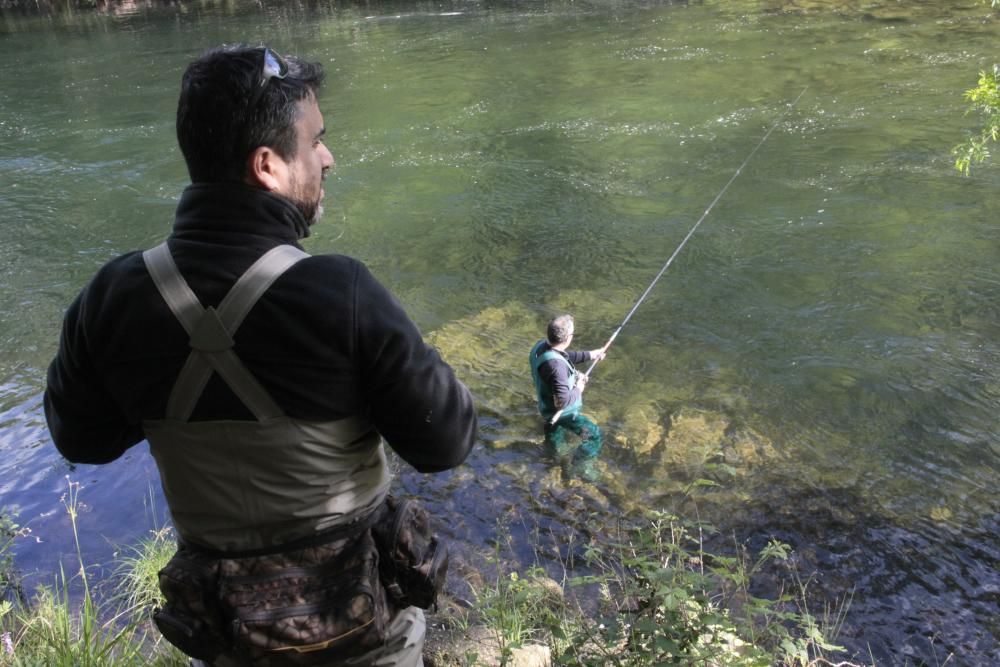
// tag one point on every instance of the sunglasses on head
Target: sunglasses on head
(274, 67)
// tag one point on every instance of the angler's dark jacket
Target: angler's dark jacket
(555, 381)
(326, 340)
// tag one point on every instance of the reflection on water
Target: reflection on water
(825, 347)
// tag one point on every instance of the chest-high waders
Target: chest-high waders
(239, 485)
(235, 485)
(570, 419)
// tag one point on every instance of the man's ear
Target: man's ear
(265, 168)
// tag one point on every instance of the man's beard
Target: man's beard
(310, 210)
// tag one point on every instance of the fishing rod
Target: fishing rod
(690, 233)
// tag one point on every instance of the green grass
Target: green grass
(137, 583)
(66, 624)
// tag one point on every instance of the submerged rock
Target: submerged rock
(642, 429)
(691, 440)
(695, 436)
(747, 449)
(941, 514)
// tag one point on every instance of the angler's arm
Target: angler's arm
(418, 405)
(86, 424)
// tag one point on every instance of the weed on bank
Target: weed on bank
(653, 597)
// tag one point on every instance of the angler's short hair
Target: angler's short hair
(559, 329)
(224, 112)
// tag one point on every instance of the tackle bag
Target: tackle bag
(302, 606)
(413, 563)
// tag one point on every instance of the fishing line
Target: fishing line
(690, 233)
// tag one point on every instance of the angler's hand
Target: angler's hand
(599, 354)
(581, 381)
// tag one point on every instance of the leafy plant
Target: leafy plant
(654, 596)
(516, 609)
(985, 99)
(661, 603)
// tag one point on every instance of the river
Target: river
(830, 333)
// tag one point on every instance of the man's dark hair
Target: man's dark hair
(219, 123)
(559, 328)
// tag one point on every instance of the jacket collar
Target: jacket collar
(544, 346)
(241, 209)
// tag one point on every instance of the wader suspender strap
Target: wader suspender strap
(211, 330)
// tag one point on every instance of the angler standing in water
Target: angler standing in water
(560, 396)
(560, 386)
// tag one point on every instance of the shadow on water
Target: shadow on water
(917, 590)
(908, 574)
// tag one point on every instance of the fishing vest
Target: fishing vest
(240, 485)
(546, 401)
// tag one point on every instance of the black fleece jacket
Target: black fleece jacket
(327, 340)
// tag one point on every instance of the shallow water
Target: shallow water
(830, 331)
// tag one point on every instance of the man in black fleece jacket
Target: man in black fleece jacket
(326, 342)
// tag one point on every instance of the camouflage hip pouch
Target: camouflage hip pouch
(303, 606)
(413, 563)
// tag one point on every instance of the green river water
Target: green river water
(831, 333)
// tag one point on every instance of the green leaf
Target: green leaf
(646, 626)
(667, 645)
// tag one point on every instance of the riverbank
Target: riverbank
(652, 595)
